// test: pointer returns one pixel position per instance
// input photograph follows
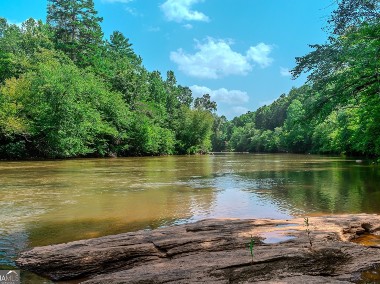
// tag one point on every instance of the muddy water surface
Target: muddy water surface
(48, 202)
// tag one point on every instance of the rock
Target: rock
(215, 251)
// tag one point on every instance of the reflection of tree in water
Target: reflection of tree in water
(338, 188)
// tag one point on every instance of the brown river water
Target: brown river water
(49, 202)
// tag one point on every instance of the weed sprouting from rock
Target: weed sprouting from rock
(306, 222)
(251, 246)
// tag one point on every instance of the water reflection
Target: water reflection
(58, 201)
(338, 188)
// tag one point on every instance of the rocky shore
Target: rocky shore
(217, 251)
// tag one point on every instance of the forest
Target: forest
(66, 91)
(337, 111)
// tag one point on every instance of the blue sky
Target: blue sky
(238, 51)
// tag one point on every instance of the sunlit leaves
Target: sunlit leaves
(64, 92)
(194, 131)
(353, 13)
(76, 29)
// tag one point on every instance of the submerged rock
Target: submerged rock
(216, 251)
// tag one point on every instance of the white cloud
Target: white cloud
(260, 54)
(215, 59)
(239, 110)
(199, 91)
(221, 95)
(132, 11)
(188, 26)
(180, 10)
(154, 29)
(285, 72)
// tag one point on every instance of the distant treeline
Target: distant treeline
(337, 111)
(67, 92)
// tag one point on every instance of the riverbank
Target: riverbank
(217, 251)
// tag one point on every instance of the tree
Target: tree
(58, 110)
(11, 55)
(185, 96)
(3, 26)
(353, 13)
(348, 65)
(147, 137)
(194, 131)
(19, 45)
(64, 92)
(296, 128)
(219, 133)
(205, 103)
(121, 46)
(76, 28)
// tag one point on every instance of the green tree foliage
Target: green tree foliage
(194, 131)
(76, 28)
(347, 66)
(274, 115)
(219, 138)
(295, 130)
(337, 110)
(64, 92)
(12, 56)
(120, 47)
(148, 138)
(205, 103)
(185, 96)
(13, 126)
(67, 112)
(344, 74)
(353, 13)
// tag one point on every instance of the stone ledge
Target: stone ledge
(215, 251)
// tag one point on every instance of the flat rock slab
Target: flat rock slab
(216, 251)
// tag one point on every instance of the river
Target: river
(49, 202)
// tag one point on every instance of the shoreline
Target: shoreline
(358, 158)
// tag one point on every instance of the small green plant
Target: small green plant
(251, 245)
(306, 221)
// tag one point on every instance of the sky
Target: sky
(238, 51)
